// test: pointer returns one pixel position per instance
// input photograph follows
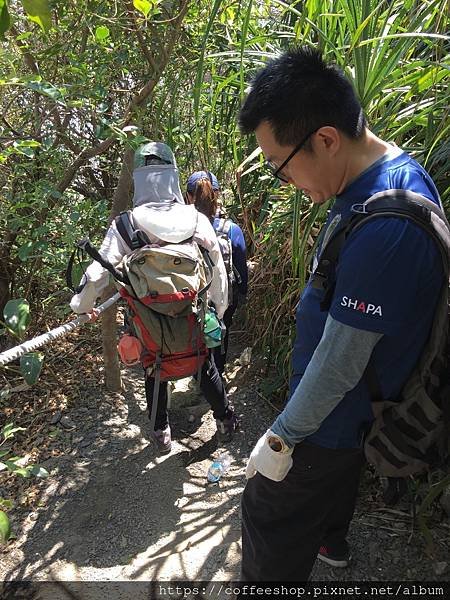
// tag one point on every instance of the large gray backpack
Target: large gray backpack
(411, 430)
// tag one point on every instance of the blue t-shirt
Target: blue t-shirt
(239, 250)
(388, 280)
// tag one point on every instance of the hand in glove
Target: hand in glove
(93, 315)
(271, 457)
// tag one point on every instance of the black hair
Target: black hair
(297, 93)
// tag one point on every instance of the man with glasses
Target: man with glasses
(303, 473)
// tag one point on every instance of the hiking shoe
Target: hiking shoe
(226, 427)
(163, 440)
(335, 559)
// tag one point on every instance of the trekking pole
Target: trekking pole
(45, 338)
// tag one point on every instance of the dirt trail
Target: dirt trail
(114, 511)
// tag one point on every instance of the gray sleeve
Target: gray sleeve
(336, 367)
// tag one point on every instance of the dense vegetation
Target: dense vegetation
(82, 83)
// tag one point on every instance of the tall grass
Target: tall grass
(396, 52)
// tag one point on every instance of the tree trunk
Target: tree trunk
(4, 288)
(122, 194)
(120, 202)
(113, 380)
(6, 267)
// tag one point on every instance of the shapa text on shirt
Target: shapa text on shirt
(366, 307)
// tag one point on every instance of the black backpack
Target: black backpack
(409, 432)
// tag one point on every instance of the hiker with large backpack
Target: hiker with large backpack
(370, 369)
(202, 190)
(165, 258)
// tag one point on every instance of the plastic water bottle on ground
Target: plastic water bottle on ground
(246, 357)
(218, 467)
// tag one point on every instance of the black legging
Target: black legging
(211, 385)
(221, 359)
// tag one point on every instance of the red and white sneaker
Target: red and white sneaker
(334, 559)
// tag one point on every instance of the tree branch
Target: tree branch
(28, 57)
(10, 127)
(144, 47)
(136, 101)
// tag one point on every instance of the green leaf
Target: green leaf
(30, 366)
(101, 33)
(17, 316)
(5, 20)
(26, 147)
(137, 141)
(24, 36)
(6, 503)
(45, 88)
(11, 466)
(9, 430)
(38, 471)
(433, 492)
(143, 6)
(39, 12)
(5, 527)
(24, 250)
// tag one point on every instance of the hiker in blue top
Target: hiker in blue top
(303, 473)
(203, 189)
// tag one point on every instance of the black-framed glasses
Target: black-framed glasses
(276, 171)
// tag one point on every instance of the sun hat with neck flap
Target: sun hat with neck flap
(156, 182)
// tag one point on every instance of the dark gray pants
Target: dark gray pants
(285, 523)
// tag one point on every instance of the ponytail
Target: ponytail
(204, 198)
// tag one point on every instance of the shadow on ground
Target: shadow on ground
(113, 505)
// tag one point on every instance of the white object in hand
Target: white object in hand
(268, 462)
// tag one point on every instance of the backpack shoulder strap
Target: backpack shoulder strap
(389, 203)
(224, 227)
(134, 238)
(402, 202)
(125, 227)
(210, 270)
(86, 245)
(406, 204)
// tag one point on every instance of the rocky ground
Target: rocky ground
(112, 510)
